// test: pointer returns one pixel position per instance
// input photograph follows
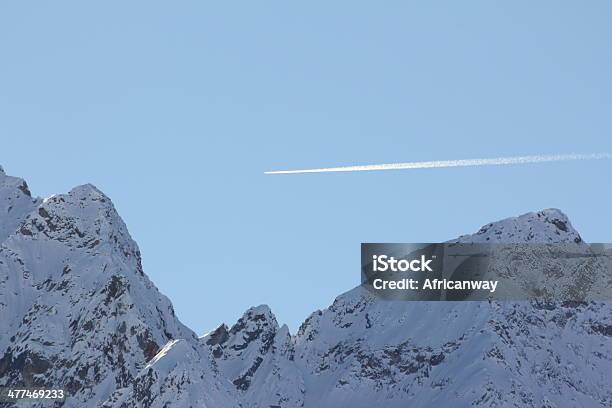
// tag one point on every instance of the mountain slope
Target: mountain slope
(365, 352)
(77, 310)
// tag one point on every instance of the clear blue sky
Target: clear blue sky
(175, 110)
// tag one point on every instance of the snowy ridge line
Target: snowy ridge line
(499, 161)
(79, 313)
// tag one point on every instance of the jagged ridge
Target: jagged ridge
(80, 313)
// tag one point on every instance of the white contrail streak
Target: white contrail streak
(500, 161)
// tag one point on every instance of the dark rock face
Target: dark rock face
(219, 336)
(24, 367)
(603, 329)
(244, 381)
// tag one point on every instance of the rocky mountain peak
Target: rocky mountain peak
(16, 202)
(545, 226)
(253, 333)
(85, 218)
(76, 307)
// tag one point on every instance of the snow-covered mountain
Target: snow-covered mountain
(77, 311)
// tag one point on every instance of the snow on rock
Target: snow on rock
(178, 376)
(248, 365)
(363, 352)
(79, 312)
(16, 202)
(546, 226)
(256, 356)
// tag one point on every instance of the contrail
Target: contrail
(500, 161)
